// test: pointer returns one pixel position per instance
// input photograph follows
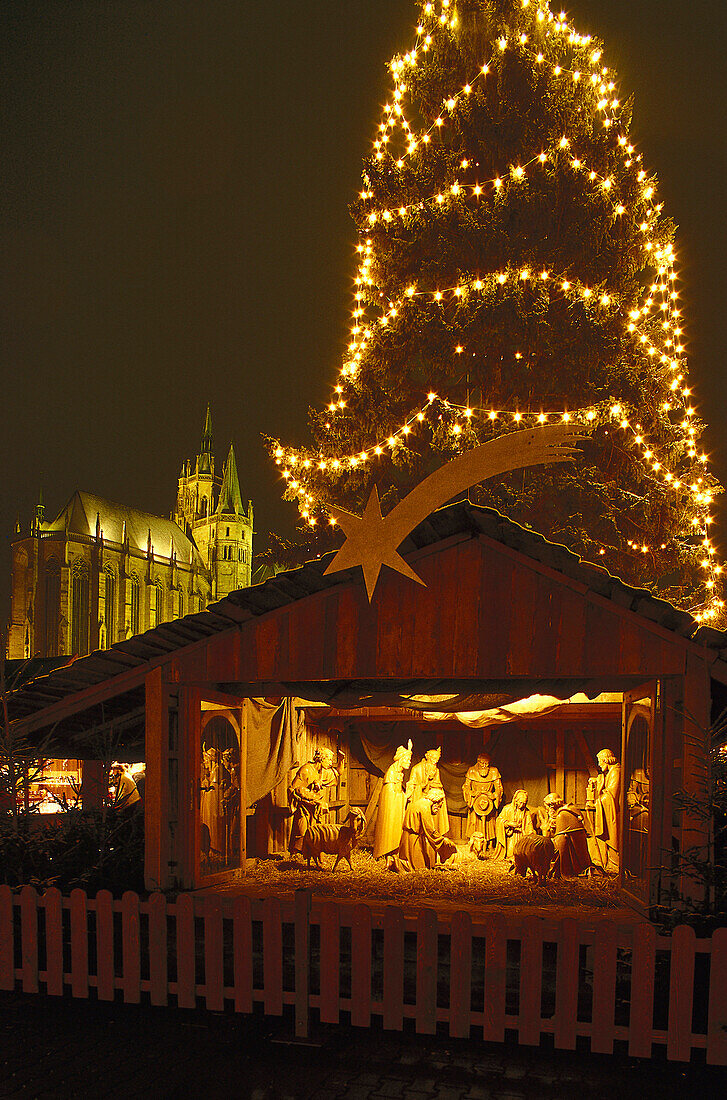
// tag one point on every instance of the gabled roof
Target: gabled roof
(78, 517)
(285, 588)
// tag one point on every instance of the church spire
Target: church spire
(230, 501)
(204, 458)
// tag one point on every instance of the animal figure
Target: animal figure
(534, 853)
(333, 840)
(477, 846)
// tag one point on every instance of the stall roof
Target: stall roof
(126, 658)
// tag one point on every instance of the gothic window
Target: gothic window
(107, 608)
(161, 604)
(153, 598)
(131, 611)
(80, 608)
(52, 606)
(180, 604)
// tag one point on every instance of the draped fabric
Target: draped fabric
(273, 734)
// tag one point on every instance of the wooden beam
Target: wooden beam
(98, 693)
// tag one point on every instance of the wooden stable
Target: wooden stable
(503, 613)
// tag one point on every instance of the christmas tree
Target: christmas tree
(515, 267)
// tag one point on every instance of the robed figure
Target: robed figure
(422, 843)
(482, 792)
(606, 842)
(570, 840)
(424, 778)
(309, 795)
(392, 803)
(513, 821)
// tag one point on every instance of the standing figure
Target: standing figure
(605, 845)
(482, 792)
(513, 821)
(392, 803)
(425, 777)
(422, 844)
(309, 795)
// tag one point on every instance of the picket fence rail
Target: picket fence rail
(521, 974)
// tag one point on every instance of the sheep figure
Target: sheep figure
(333, 840)
(534, 853)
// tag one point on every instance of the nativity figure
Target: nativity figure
(605, 844)
(392, 803)
(482, 793)
(513, 821)
(423, 845)
(425, 777)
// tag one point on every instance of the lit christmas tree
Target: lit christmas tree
(516, 268)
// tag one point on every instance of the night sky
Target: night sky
(174, 227)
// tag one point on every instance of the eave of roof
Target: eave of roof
(286, 587)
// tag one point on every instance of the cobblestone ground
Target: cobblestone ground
(64, 1048)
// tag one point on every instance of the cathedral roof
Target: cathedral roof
(78, 517)
(230, 501)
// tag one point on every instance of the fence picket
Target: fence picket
(605, 958)
(29, 938)
(641, 1013)
(393, 969)
(426, 1004)
(213, 953)
(493, 1030)
(460, 981)
(330, 963)
(531, 983)
(603, 1020)
(302, 962)
(717, 1017)
(361, 966)
(53, 905)
(105, 946)
(186, 957)
(7, 939)
(158, 951)
(130, 948)
(681, 995)
(79, 943)
(566, 986)
(272, 957)
(242, 953)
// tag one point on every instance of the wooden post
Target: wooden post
(156, 801)
(94, 784)
(695, 769)
(190, 731)
(244, 710)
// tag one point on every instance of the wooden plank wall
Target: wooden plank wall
(486, 612)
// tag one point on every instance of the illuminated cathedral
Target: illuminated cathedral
(101, 572)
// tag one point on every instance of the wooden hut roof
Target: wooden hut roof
(124, 664)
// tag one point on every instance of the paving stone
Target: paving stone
(390, 1086)
(446, 1092)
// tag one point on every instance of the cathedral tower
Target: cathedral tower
(211, 510)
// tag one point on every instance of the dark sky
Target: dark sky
(174, 186)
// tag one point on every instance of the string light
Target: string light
(653, 324)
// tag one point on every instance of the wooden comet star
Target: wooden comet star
(372, 540)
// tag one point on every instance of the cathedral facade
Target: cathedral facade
(101, 572)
